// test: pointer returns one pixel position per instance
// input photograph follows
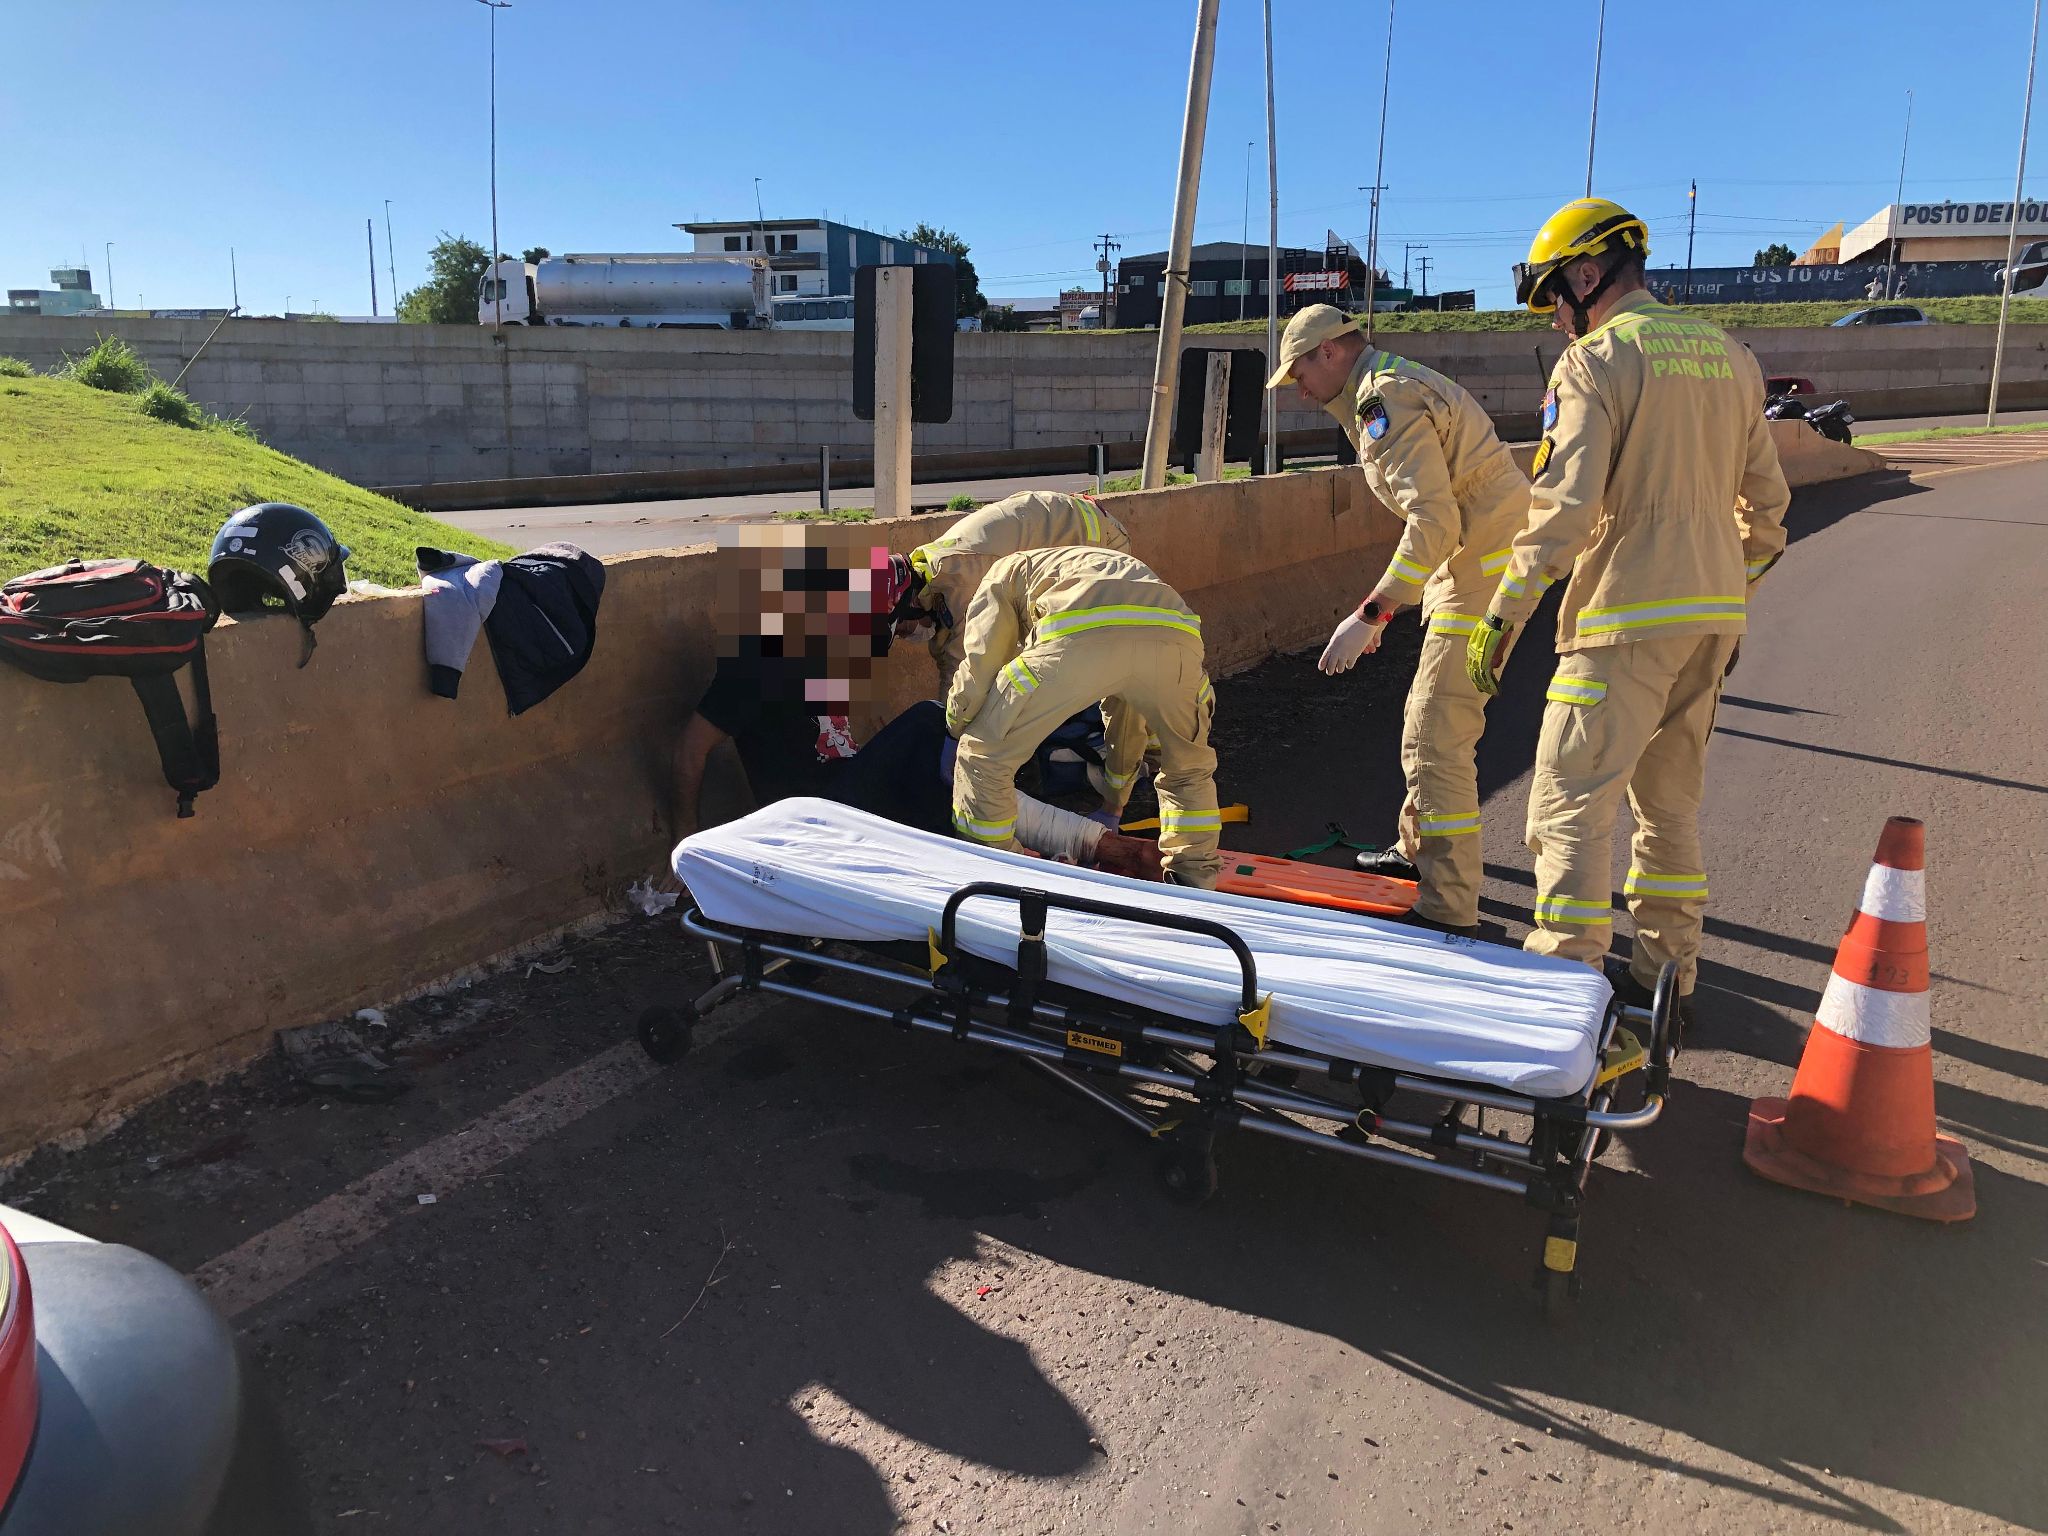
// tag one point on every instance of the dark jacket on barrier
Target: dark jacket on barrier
(543, 626)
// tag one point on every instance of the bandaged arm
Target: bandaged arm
(1056, 833)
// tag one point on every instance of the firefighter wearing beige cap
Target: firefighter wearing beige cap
(1430, 452)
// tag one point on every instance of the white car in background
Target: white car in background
(2030, 271)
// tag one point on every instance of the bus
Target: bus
(794, 314)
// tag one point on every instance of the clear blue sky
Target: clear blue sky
(278, 126)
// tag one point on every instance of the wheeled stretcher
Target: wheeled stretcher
(1186, 1013)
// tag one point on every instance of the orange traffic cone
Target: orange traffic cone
(1860, 1122)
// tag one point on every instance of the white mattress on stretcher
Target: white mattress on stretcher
(1342, 985)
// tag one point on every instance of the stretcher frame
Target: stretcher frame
(1185, 1084)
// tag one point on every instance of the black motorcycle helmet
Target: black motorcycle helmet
(277, 550)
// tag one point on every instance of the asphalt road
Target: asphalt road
(821, 1277)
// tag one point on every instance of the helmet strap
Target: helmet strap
(1582, 307)
(306, 644)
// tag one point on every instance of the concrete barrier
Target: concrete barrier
(368, 839)
(425, 405)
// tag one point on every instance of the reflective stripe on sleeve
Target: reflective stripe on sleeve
(983, 831)
(1674, 610)
(1453, 623)
(1021, 677)
(1075, 620)
(1090, 523)
(1403, 569)
(1518, 586)
(1495, 563)
(1756, 568)
(1460, 825)
(1206, 692)
(1575, 690)
(1679, 887)
(1569, 909)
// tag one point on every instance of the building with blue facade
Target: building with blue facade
(809, 257)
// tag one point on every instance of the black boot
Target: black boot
(1635, 995)
(1415, 919)
(1390, 862)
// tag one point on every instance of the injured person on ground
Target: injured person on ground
(782, 700)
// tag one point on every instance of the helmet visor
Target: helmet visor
(1532, 286)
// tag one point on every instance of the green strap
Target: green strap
(1338, 838)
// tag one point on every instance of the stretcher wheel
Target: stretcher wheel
(1187, 1169)
(664, 1034)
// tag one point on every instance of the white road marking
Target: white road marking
(274, 1260)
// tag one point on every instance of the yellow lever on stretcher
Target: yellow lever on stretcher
(1151, 823)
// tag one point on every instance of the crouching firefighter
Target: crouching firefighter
(1052, 631)
(938, 580)
(1658, 490)
(1430, 452)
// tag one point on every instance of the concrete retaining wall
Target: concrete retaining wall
(420, 405)
(368, 838)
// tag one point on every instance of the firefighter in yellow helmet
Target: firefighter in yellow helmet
(1658, 492)
(1052, 631)
(943, 575)
(1430, 452)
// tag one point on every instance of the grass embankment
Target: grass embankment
(84, 472)
(1973, 311)
(1934, 434)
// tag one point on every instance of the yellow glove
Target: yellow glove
(1482, 653)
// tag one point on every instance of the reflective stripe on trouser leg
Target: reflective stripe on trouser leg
(1167, 688)
(1585, 757)
(1667, 883)
(1012, 722)
(1440, 731)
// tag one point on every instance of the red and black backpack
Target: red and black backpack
(124, 618)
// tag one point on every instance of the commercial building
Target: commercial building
(1227, 281)
(72, 295)
(813, 258)
(1913, 232)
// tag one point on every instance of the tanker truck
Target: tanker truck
(722, 293)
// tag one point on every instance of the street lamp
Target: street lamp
(497, 286)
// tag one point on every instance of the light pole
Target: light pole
(1244, 249)
(110, 276)
(1692, 213)
(1408, 248)
(497, 285)
(390, 259)
(1271, 404)
(1593, 127)
(1372, 238)
(1891, 266)
(2012, 239)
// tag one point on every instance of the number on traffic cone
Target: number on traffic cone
(1859, 1123)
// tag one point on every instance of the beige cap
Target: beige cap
(1309, 329)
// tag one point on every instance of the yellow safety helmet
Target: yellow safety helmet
(1585, 226)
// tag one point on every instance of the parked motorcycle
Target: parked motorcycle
(1834, 422)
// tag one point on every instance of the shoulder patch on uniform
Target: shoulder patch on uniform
(1542, 457)
(1550, 409)
(1372, 416)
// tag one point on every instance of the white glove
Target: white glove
(1354, 638)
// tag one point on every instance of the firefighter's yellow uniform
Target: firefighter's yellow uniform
(1431, 453)
(953, 564)
(1658, 491)
(1052, 631)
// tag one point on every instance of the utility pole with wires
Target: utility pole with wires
(2012, 239)
(1692, 213)
(497, 284)
(234, 280)
(370, 235)
(390, 258)
(1593, 126)
(1103, 265)
(1425, 263)
(1372, 238)
(1409, 247)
